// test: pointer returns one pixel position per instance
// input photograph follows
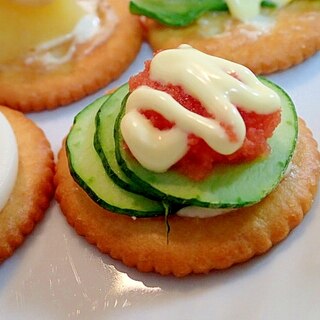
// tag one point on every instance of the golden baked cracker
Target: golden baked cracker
(295, 37)
(32, 89)
(34, 186)
(195, 245)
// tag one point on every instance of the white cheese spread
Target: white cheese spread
(8, 160)
(94, 27)
(200, 212)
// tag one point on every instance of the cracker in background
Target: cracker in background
(294, 38)
(196, 245)
(34, 185)
(31, 89)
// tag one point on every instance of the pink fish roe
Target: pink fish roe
(200, 160)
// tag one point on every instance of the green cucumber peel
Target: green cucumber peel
(88, 172)
(166, 218)
(229, 186)
(180, 13)
(104, 142)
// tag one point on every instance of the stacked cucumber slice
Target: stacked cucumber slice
(109, 174)
(89, 172)
(180, 13)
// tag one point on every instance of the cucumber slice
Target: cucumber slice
(229, 186)
(88, 171)
(176, 13)
(104, 142)
(180, 13)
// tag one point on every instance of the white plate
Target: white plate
(56, 274)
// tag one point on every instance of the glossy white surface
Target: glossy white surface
(8, 160)
(56, 274)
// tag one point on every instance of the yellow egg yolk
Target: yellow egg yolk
(28, 23)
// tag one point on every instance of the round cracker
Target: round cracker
(294, 37)
(33, 89)
(195, 245)
(33, 189)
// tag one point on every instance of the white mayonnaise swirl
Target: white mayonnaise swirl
(96, 26)
(8, 160)
(246, 10)
(220, 85)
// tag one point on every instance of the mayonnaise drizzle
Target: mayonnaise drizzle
(245, 10)
(8, 160)
(219, 85)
